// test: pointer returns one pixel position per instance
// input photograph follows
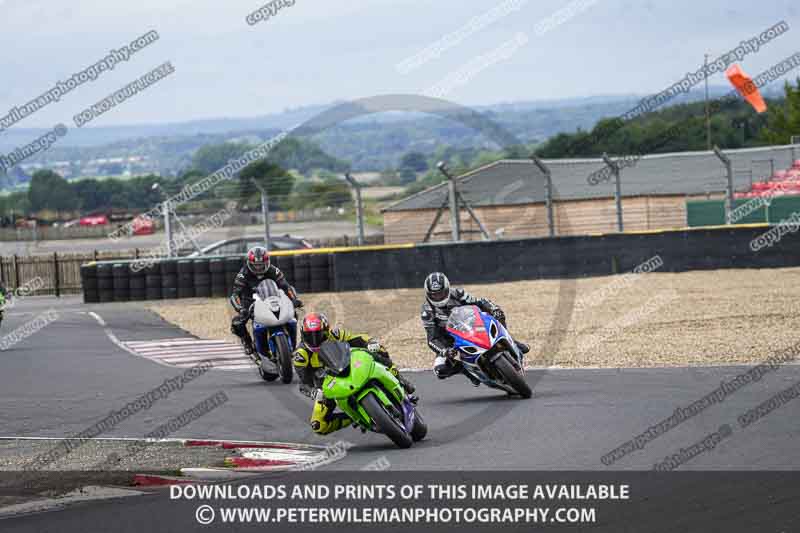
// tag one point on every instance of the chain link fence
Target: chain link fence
(591, 195)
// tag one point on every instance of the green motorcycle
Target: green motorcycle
(369, 394)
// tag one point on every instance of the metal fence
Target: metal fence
(512, 199)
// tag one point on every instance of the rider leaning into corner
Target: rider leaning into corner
(256, 269)
(440, 300)
(316, 330)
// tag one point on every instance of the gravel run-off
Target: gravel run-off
(655, 319)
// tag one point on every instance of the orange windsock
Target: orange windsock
(745, 86)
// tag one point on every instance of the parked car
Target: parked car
(143, 226)
(94, 220)
(240, 245)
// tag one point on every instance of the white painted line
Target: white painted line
(278, 455)
(169, 343)
(204, 357)
(249, 366)
(98, 318)
(215, 474)
(162, 354)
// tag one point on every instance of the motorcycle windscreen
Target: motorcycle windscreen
(267, 288)
(335, 356)
(466, 322)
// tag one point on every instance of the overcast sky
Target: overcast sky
(318, 51)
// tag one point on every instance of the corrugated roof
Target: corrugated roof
(519, 181)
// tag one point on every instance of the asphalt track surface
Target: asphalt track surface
(70, 375)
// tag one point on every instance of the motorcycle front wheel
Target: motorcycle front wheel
(385, 422)
(513, 377)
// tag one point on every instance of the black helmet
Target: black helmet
(258, 260)
(437, 289)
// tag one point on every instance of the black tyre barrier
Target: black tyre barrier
(219, 291)
(185, 276)
(89, 283)
(475, 262)
(201, 266)
(320, 285)
(122, 295)
(91, 296)
(186, 292)
(302, 273)
(153, 293)
(286, 265)
(105, 280)
(122, 282)
(202, 278)
(138, 294)
(168, 267)
(232, 267)
(318, 260)
(219, 279)
(216, 265)
(202, 291)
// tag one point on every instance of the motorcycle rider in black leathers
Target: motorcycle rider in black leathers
(440, 300)
(257, 268)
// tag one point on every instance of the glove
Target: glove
(298, 303)
(498, 314)
(305, 390)
(450, 353)
(374, 346)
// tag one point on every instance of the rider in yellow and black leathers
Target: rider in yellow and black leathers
(314, 331)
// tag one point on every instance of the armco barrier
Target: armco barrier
(388, 267)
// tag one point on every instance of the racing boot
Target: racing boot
(249, 348)
(475, 381)
(524, 348)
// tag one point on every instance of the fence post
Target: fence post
(729, 171)
(548, 193)
(56, 276)
(455, 215)
(168, 227)
(617, 190)
(16, 271)
(359, 207)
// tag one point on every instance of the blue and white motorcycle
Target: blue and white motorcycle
(487, 350)
(274, 332)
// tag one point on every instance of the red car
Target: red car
(94, 220)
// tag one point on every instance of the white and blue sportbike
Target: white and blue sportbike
(487, 351)
(274, 332)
